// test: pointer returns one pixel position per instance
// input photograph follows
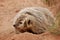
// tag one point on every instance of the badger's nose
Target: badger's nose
(14, 25)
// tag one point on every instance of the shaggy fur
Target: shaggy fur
(36, 20)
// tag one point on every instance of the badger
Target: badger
(35, 20)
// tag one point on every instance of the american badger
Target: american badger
(36, 20)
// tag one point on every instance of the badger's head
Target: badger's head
(23, 23)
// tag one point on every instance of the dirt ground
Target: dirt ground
(9, 8)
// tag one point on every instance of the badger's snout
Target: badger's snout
(14, 26)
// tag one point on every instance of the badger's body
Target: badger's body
(33, 19)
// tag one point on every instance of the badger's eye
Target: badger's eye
(20, 22)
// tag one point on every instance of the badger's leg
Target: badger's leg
(16, 31)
